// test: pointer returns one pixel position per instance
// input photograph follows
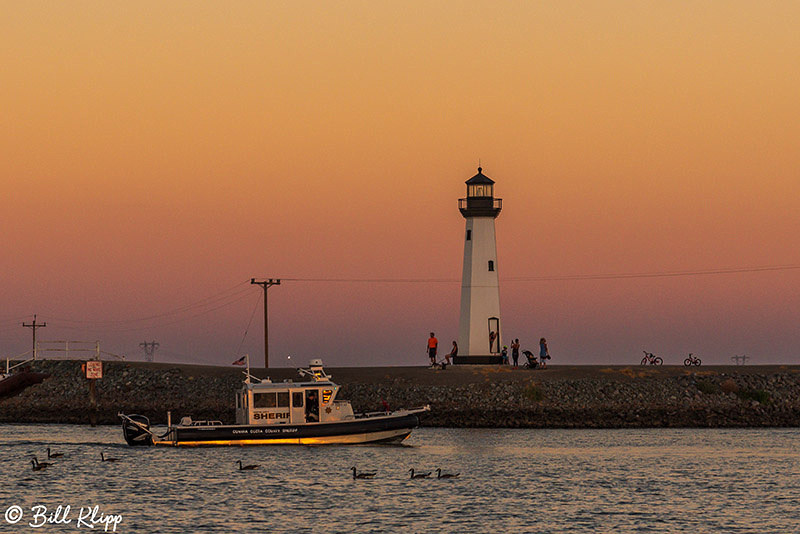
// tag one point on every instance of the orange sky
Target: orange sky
(155, 155)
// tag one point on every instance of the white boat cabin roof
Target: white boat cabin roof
(316, 374)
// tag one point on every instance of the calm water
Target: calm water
(511, 481)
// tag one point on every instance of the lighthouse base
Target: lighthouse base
(494, 359)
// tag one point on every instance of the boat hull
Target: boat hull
(15, 383)
(378, 429)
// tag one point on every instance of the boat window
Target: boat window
(264, 400)
(283, 399)
(297, 399)
(238, 401)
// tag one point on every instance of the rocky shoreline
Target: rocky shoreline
(463, 397)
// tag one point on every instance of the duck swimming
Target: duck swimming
(418, 475)
(53, 455)
(45, 464)
(363, 475)
(37, 467)
(246, 467)
(104, 459)
(439, 474)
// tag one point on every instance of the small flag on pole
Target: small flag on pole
(240, 361)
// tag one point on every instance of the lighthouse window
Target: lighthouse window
(479, 191)
(469, 235)
(491, 265)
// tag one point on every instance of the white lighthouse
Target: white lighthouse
(479, 328)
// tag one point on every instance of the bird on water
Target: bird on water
(39, 466)
(418, 475)
(362, 475)
(439, 474)
(246, 467)
(104, 459)
(53, 455)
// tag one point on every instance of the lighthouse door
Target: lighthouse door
(494, 335)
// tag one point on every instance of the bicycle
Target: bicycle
(691, 360)
(652, 359)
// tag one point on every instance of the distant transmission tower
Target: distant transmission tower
(740, 360)
(149, 349)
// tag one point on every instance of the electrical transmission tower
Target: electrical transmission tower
(149, 349)
(740, 360)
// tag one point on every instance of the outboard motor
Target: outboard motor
(136, 430)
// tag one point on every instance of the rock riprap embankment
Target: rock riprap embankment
(614, 397)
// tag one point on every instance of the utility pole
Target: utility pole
(266, 284)
(149, 349)
(33, 326)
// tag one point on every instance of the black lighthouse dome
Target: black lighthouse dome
(480, 201)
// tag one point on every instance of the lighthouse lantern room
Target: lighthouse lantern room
(479, 328)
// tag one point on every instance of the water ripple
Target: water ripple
(572, 481)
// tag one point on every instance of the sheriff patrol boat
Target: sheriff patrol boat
(281, 413)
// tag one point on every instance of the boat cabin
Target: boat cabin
(277, 403)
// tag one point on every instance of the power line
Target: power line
(235, 291)
(610, 276)
(240, 296)
(658, 274)
(199, 314)
(376, 280)
(242, 290)
(247, 328)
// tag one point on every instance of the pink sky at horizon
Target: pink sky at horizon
(156, 155)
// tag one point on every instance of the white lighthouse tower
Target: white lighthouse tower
(479, 328)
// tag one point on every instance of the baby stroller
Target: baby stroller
(532, 362)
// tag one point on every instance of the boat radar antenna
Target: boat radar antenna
(315, 371)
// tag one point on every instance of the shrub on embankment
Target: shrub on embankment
(618, 399)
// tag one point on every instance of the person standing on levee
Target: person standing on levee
(433, 345)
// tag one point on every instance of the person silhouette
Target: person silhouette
(312, 407)
(433, 345)
(544, 354)
(515, 353)
(453, 353)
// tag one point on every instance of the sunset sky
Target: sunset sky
(156, 156)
